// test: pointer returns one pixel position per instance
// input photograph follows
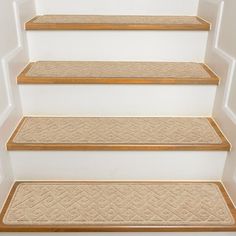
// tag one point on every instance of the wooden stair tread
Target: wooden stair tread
(117, 133)
(114, 22)
(105, 72)
(108, 201)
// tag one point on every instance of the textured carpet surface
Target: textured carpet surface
(117, 69)
(120, 130)
(97, 203)
(101, 19)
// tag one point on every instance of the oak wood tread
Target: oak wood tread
(212, 191)
(117, 72)
(106, 22)
(118, 133)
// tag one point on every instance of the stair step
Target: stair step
(101, 72)
(115, 22)
(53, 206)
(117, 133)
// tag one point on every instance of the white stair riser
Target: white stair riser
(142, 7)
(118, 45)
(120, 165)
(118, 100)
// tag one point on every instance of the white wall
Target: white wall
(227, 37)
(14, 56)
(7, 43)
(221, 56)
(227, 42)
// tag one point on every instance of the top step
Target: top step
(109, 22)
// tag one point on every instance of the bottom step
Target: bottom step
(115, 206)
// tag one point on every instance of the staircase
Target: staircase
(117, 133)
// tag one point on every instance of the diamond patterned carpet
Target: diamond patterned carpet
(95, 69)
(114, 130)
(100, 19)
(118, 203)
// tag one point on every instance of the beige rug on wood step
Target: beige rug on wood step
(114, 130)
(118, 203)
(85, 69)
(101, 19)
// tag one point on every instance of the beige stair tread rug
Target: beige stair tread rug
(102, 69)
(116, 130)
(116, 19)
(118, 203)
